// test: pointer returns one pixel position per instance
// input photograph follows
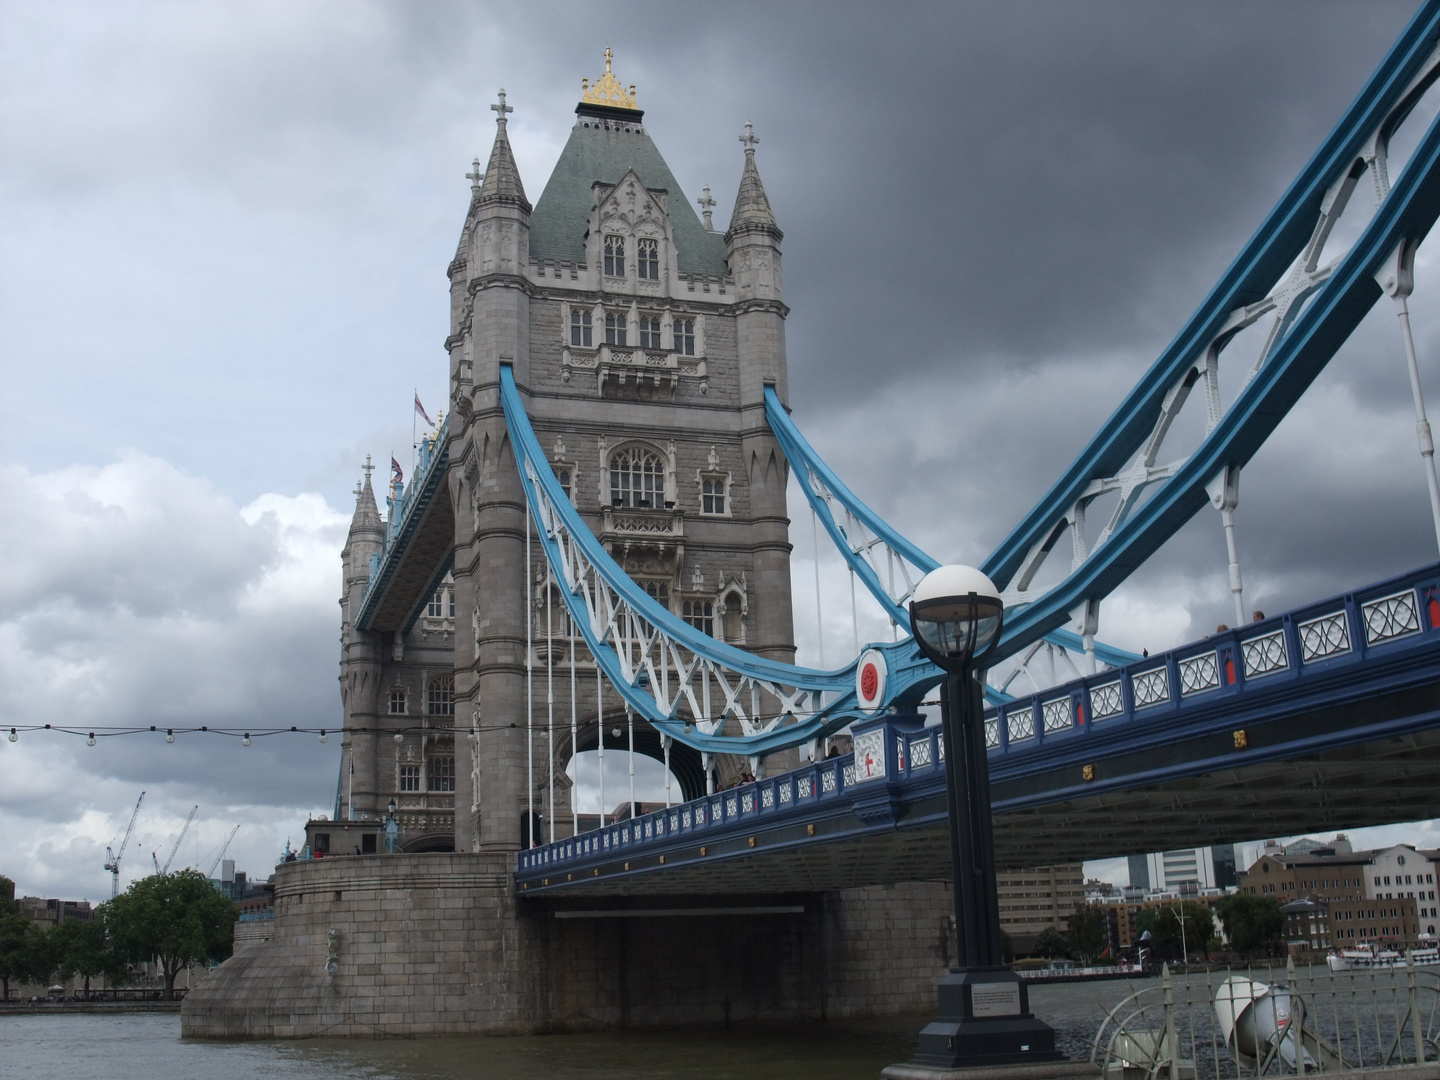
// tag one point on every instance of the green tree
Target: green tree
(1086, 931)
(80, 948)
(1051, 943)
(24, 956)
(178, 918)
(1251, 922)
(1182, 929)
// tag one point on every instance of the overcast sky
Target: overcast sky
(224, 230)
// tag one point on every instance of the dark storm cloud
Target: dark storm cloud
(223, 243)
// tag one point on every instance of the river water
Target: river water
(79, 1046)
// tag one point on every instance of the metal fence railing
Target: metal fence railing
(1271, 1022)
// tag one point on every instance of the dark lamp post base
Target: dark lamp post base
(984, 1020)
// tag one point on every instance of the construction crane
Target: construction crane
(112, 857)
(223, 848)
(183, 830)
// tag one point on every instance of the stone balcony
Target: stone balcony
(633, 372)
(643, 534)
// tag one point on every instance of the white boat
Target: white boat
(1369, 958)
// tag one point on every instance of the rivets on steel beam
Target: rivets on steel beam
(1087, 772)
(1241, 739)
(809, 830)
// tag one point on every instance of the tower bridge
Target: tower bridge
(597, 536)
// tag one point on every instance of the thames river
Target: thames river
(148, 1045)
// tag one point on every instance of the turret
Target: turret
(494, 251)
(753, 240)
(360, 660)
(365, 539)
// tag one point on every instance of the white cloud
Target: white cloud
(134, 594)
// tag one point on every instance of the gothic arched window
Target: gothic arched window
(647, 259)
(440, 700)
(637, 478)
(615, 256)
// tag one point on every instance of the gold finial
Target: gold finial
(607, 89)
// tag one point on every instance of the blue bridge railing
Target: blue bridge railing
(1280, 653)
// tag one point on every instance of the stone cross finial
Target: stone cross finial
(749, 138)
(475, 176)
(368, 468)
(707, 204)
(501, 108)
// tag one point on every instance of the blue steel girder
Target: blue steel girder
(865, 535)
(687, 684)
(1316, 308)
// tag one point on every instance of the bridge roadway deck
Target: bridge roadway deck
(1324, 718)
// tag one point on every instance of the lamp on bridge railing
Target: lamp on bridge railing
(392, 828)
(984, 1018)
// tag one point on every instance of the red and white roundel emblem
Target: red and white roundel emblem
(870, 680)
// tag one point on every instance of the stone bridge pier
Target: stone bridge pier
(438, 944)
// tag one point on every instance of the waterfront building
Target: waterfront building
(1398, 873)
(1034, 900)
(1320, 924)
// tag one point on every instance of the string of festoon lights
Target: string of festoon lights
(248, 736)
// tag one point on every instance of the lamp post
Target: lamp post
(392, 828)
(984, 1017)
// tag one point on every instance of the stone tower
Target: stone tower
(642, 340)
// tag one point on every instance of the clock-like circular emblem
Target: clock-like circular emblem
(870, 680)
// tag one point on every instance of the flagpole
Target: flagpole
(413, 440)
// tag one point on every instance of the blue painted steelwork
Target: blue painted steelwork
(404, 519)
(1336, 652)
(624, 628)
(1310, 340)
(811, 472)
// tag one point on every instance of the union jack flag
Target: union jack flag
(397, 475)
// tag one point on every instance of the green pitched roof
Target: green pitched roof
(603, 152)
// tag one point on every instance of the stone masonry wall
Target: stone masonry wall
(436, 944)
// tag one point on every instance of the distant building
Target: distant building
(1320, 924)
(50, 912)
(1139, 873)
(1097, 891)
(1034, 900)
(1397, 873)
(1181, 871)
